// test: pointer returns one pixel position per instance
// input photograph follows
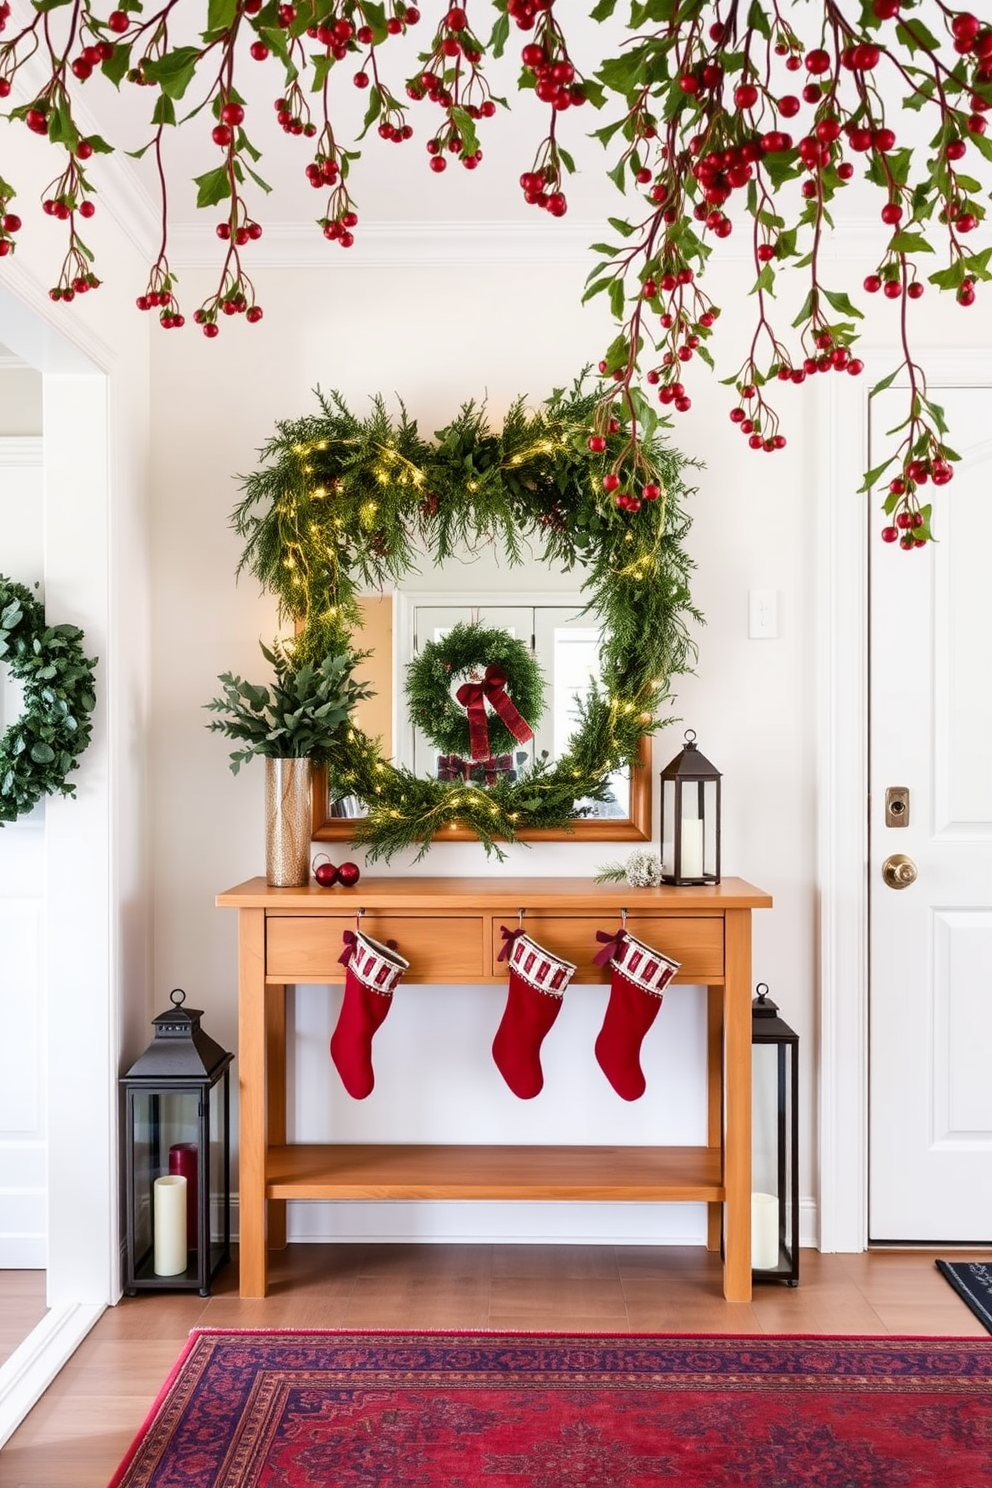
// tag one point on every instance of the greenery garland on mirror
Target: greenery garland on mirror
(342, 504)
(45, 742)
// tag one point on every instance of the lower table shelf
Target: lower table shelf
(343, 1171)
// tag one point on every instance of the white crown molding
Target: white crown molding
(296, 245)
(20, 450)
(300, 245)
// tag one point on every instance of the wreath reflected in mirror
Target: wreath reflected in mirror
(343, 505)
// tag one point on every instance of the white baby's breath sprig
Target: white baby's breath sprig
(642, 870)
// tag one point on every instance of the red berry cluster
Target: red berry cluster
(524, 13)
(555, 79)
(237, 297)
(338, 229)
(452, 80)
(556, 82)
(535, 185)
(293, 112)
(161, 299)
(245, 230)
(89, 58)
(10, 223)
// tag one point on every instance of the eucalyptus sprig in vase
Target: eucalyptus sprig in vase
(296, 720)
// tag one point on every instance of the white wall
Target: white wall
(436, 336)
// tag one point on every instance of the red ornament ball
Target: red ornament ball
(349, 874)
(325, 873)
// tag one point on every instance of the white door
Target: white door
(930, 1093)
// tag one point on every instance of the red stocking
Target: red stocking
(639, 977)
(537, 985)
(373, 971)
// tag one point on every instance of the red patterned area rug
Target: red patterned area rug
(504, 1410)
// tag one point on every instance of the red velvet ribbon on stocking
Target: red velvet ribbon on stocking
(612, 946)
(473, 697)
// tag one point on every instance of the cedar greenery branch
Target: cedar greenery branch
(300, 716)
(769, 107)
(44, 743)
(342, 504)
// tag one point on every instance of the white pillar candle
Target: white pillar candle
(692, 849)
(764, 1232)
(170, 1225)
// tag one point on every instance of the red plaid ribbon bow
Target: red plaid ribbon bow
(473, 697)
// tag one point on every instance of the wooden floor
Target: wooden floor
(80, 1429)
(22, 1307)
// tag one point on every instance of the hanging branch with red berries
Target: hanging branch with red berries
(720, 118)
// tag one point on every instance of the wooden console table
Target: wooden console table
(449, 929)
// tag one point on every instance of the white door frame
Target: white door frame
(81, 971)
(846, 524)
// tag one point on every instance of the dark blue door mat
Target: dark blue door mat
(972, 1280)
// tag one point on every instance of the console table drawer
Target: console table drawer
(695, 942)
(446, 948)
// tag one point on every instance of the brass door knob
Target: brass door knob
(899, 871)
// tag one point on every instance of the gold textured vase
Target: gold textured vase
(288, 816)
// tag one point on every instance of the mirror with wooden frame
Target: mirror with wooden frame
(566, 646)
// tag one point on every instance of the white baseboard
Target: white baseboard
(30, 1369)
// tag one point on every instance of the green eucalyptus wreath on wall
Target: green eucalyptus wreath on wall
(44, 743)
(342, 505)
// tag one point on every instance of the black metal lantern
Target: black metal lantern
(178, 1163)
(690, 818)
(775, 1134)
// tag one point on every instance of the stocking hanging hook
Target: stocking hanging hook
(358, 918)
(520, 918)
(623, 919)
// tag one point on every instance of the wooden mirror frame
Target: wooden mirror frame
(633, 828)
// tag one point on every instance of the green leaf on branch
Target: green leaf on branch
(909, 242)
(117, 64)
(213, 187)
(61, 129)
(620, 226)
(841, 302)
(499, 35)
(886, 382)
(372, 112)
(221, 14)
(757, 19)
(872, 476)
(164, 111)
(618, 299)
(262, 185)
(175, 71)
(466, 128)
(915, 37)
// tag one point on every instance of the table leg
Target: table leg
(714, 1102)
(275, 1054)
(251, 1087)
(737, 1151)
